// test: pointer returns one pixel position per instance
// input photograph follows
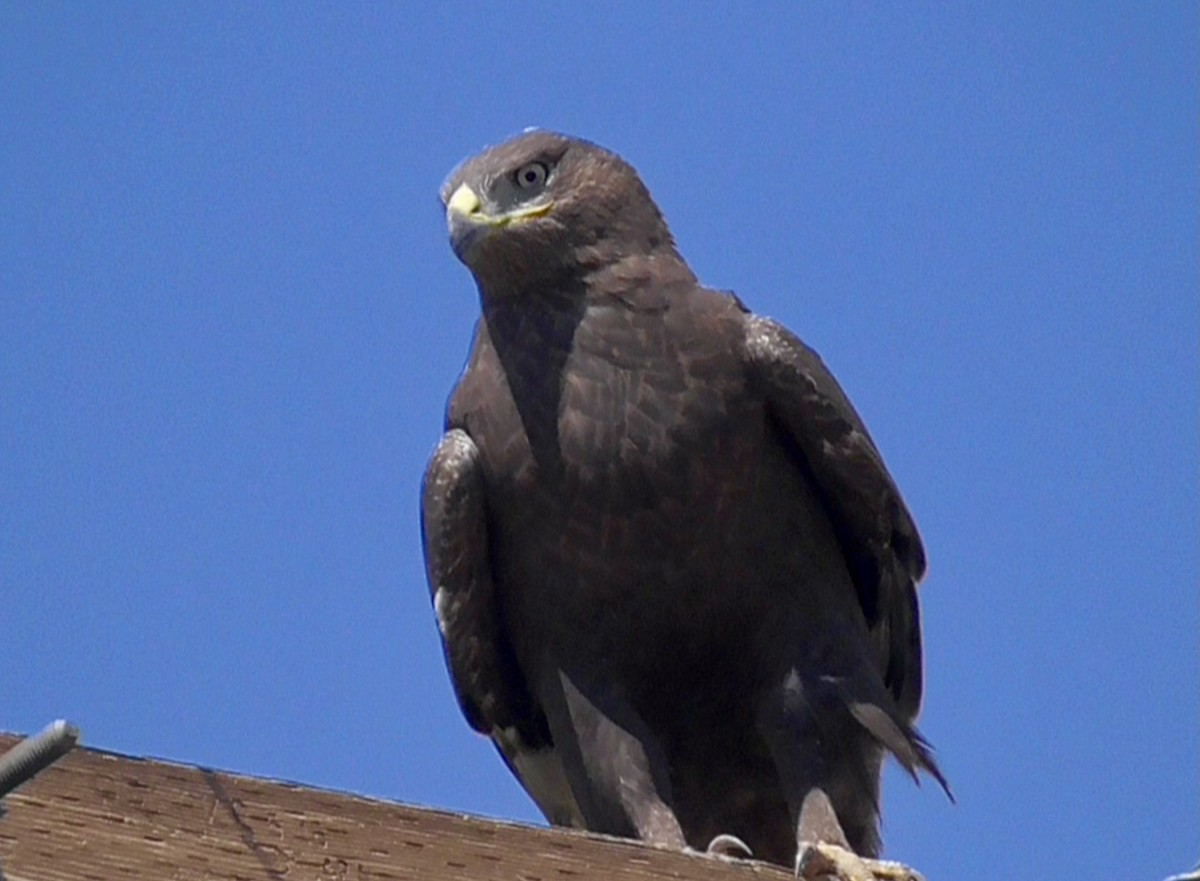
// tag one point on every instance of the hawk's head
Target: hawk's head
(544, 207)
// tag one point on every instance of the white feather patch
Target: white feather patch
(441, 604)
(542, 774)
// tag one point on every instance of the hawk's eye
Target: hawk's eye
(532, 175)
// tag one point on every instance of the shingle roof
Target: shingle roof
(103, 816)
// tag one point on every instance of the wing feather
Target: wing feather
(483, 670)
(878, 536)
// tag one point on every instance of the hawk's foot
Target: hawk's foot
(818, 860)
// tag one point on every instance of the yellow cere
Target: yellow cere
(527, 212)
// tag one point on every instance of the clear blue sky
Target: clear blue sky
(229, 319)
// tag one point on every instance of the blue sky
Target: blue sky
(229, 319)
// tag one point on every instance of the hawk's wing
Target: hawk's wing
(878, 537)
(876, 532)
(487, 681)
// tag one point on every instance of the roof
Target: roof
(104, 816)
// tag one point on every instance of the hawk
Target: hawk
(674, 581)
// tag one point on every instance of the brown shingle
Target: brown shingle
(105, 816)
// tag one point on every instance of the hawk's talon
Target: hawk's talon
(730, 847)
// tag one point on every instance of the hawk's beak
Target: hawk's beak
(469, 223)
(464, 202)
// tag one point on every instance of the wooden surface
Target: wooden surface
(102, 816)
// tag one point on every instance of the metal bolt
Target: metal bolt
(36, 753)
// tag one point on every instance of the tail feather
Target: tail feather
(901, 739)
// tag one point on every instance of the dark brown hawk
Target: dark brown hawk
(675, 583)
